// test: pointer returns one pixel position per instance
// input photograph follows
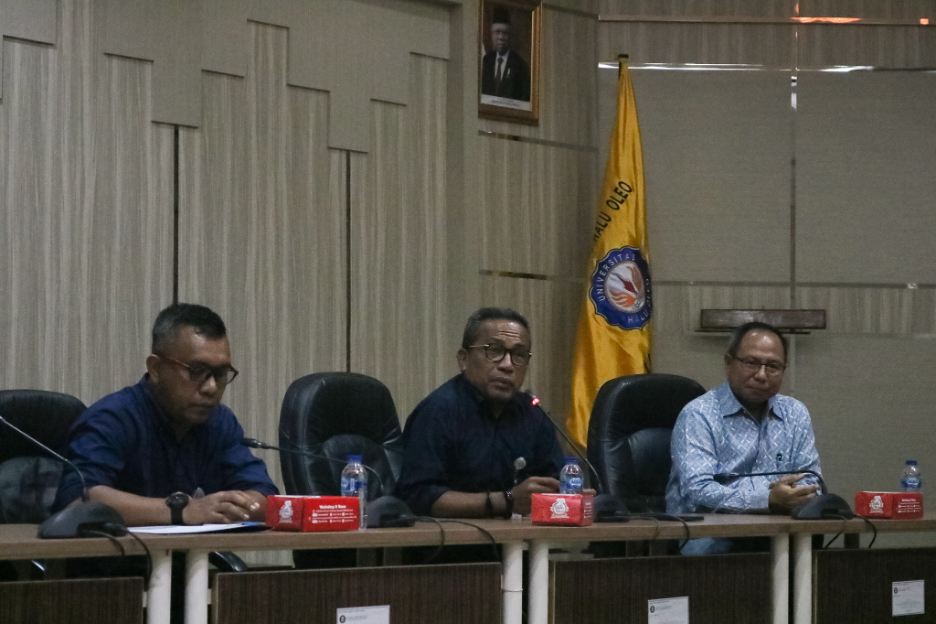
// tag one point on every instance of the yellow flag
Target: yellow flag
(613, 336)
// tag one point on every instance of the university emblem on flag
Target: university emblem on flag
(620, 288)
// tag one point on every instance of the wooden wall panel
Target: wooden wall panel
(699, 8)
(262, 231)
(536, 205)
(711, 43)
(85, 206)
(399, 262)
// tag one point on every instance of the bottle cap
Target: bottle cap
(354, 459)
(571, 460)
(911, 462)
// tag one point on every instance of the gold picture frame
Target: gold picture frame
(509, 64)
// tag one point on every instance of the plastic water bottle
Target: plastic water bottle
(570, 479)
(354, 483)
(910, 480)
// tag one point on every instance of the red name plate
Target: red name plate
(908, 505)
(563, 509)
(313, 513)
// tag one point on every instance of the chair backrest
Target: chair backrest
(335, 415)
(629, 435)
(28, 475)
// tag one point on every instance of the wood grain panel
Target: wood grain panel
(699, 8)
(537, 206)
(552, 309)
(854, 586)
(399, 262)
(98, 601)
(262, 231)
(722, 589)
(756, 44)
(874, 309)
(828, 45)
(894, 9)
(455, 594)
(677, 307)
(85, 215)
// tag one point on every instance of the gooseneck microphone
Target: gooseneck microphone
(608, 508)
(82, 519)
(823, 506)
(383, 512)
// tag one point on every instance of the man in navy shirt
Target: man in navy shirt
(165, 451)
(462, 442)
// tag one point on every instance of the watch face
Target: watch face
(177, 500)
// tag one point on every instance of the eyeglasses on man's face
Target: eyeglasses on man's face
(199, 374)
(752, 366)
(495, 352)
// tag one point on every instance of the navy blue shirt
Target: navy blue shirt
(452, 441)
(124, 441)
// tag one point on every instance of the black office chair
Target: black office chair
(629, 436)
(334, 415)
(28, 475)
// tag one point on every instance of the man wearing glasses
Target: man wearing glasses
(743, 426)
(478, 447)
(165, 451)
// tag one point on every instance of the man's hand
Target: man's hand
(220, 508)
(523, 492)
(784, 495)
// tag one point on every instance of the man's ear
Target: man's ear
(462, 357)
(152, 367)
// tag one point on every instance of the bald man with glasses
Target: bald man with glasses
(477, 446)
(743, 426)
(166, 451)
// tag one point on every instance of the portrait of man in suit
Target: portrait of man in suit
(504, 72)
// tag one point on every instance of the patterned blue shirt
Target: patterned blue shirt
(715, 434)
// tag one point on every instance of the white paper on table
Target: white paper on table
(364, 615)
(668, 611)
(908, 597)
(173, 529)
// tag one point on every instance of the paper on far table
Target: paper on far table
(203, 528)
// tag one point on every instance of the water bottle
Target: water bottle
(354, 483)
(570, 479)
(910, 480)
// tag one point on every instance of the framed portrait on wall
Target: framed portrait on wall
(509, 35)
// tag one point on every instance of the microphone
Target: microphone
(822, 506)
(82, 519)
(608, 508)
(382, 512)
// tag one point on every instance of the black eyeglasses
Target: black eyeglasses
(496, 352)
(223, 375)
(751, 366)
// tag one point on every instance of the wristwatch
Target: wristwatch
(508, 498)
(176, 503)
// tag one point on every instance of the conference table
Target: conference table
(791, 549)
